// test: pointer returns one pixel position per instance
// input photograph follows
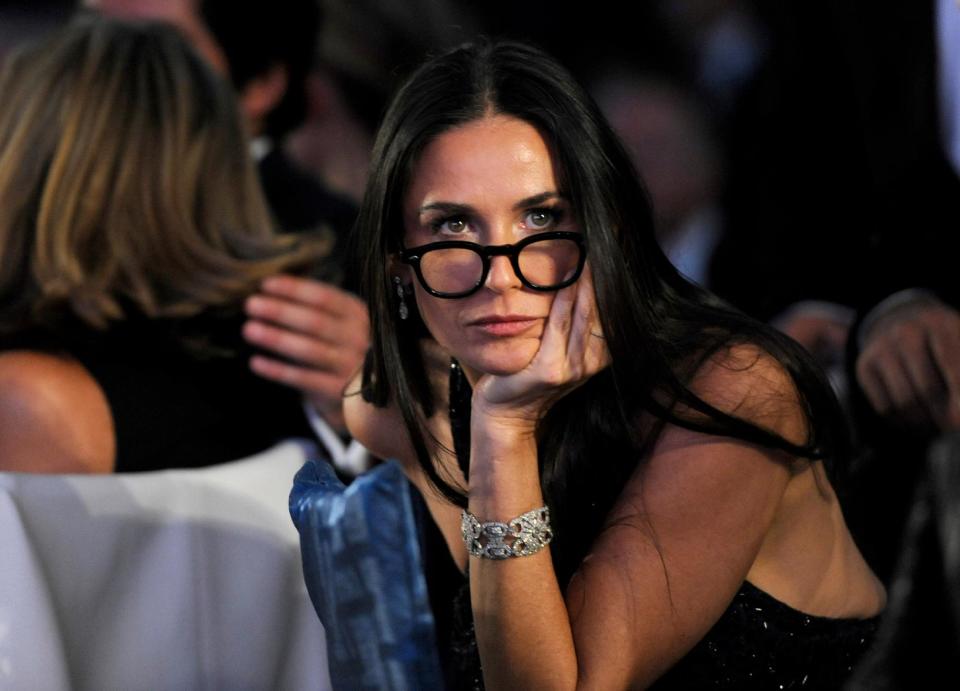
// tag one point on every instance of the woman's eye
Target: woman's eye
(541, 218)
(451, 225)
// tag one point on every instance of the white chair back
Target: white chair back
(181, 579)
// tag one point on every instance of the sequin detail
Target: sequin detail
(762, 643)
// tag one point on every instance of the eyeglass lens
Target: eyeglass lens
(546, 263)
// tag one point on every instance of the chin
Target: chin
(501, 360)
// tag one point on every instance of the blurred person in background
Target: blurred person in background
(841, 217)
(267, 51)
(317, 330)
(843, 201)
(133, 230)
(664, 128)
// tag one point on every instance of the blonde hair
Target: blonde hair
(126, 182)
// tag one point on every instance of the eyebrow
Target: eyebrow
(455, 208)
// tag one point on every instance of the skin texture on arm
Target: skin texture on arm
(701, 514)
(689, 528)
(316, 334)
(692, 524)
(54, 417)
(381, 430)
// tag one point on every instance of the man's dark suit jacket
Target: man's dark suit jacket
(301, 203)
(838, 187)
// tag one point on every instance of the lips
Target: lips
(504, 324)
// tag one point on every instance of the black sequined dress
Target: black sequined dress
(758, 643)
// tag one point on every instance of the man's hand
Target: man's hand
(909, 367)
(820, 327)
(319, 334)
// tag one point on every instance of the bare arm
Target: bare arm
(54, 417)
(382, 430)
(682, 537)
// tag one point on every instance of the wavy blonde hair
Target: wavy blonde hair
(126, 182)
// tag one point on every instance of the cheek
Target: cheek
(438, 315)
(499, 356)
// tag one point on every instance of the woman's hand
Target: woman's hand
(571, 351)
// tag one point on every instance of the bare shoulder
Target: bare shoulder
(54, 416)
(694, 470)
(381, 430)
(688, 526)
(748, 382)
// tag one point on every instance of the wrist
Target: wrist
(497, 444)
(503, 427)
(504, 475)
(521, 536)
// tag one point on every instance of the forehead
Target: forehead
(495, 159)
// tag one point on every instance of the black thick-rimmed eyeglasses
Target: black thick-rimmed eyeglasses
(456, 268)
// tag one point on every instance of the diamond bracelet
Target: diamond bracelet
(522, 536)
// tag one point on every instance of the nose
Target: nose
(502, 277)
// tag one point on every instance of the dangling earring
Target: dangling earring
(404, 310)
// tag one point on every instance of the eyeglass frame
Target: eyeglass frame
(413, 255)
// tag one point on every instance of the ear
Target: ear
(262, 94)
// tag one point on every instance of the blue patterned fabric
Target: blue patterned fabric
(361, 561)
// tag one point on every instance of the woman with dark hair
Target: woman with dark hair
(132, 230)
(630, 472)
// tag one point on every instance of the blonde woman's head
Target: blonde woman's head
(125, 182)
